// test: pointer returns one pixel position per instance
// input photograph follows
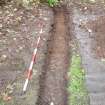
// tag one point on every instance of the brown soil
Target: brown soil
(96, 24)
(19, 31)
(98, 28)
(54, 77)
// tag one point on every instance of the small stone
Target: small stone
(1, 33)
(80, 20)
(0, 12)
(10, 5)
(10, 92)
(3, 58)
(15, 9)
(1, 25)
(20, 48)
(85, 8)
(44, 39)
(8, 30)
(103, 59)
(21, 12)
(51, 103)
(41, 14)
(45, 19)
(36, 32)
(11, 14)
(18, 18)
(14, 38)
(89, 30)
(93, 1)
(34, 72)
(7, 12)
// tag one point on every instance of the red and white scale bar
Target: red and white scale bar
(32, 62)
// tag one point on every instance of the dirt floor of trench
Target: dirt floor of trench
(53, 83)
(18, 33)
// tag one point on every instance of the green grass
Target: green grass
(52, 2)
(1, 102)
(76, 87)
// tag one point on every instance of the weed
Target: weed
(76, 88)
(1, 102)
(52, 2)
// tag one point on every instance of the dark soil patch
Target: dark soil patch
(98, 28)
(54, 78)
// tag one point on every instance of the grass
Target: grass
(1, 102)
(52, 2)
(76, 87)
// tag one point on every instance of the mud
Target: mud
(54, 78)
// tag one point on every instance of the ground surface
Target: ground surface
(89, 31)
(19, 29)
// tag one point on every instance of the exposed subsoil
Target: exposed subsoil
(54, 78)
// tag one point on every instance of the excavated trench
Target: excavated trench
(53, 81)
